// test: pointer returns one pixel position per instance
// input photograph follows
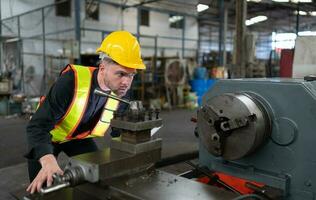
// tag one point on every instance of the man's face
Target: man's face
(116, 77)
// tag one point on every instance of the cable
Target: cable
(248, 196)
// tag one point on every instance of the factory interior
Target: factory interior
(157, 99)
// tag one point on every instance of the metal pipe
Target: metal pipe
(102, 35)
(138, 23)
(225, 35)
(54, 188)
(177, 38)
(161, 10)
(20, 55)
(101, 93)
(44, 52)
(297, 19)
(155, 60)
(156, 48)
(141, 4)
(0, 41)
(239, 54)
(34, 10)
(183, 37)
(141, 35)
(77, 28)
(221, 30)
(47, 34)
(198, 52)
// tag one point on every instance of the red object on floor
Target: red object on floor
(234, 182)
(286, 63)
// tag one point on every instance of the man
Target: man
(72, 114)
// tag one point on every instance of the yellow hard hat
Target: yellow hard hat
(123, 48)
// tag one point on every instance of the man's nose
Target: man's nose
(126, 80)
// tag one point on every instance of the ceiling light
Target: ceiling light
(283, 36)
(201, 7)
(300, 12)
(256, 1)
(301, 1)
(312, 13)
(307, 33)
(175, 18)
(281, 1)
(255, 20)
(293, 1)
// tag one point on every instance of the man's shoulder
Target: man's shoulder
(67, 72)
(65, 80)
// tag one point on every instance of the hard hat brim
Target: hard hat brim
(128, 65)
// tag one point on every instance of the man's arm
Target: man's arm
(43, 121)
(49, 168)
(47, 116)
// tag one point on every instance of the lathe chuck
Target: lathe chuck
(233, 125)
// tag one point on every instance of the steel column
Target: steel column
(225, 36)
(297, 19)
(241, 12)
(138, 24)
(0, 40)
(43, 87)
(20, 64)
(198, 51)
(183, 37)
(77, 28)
(156, 45)
(221, 30)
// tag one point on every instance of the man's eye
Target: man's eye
(121, 74)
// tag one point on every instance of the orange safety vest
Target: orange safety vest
(65, 128)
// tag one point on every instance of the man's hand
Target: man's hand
(49, 167)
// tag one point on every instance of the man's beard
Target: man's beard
(120, 92)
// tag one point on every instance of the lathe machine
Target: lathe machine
(125, 170)
(259, 130)
(262, 130)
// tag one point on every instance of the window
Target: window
(176, 21)
(92, 10)
(144, 17)
(63, 9)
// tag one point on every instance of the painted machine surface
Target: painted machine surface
(262, 130)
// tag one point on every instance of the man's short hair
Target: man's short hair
(105, 58)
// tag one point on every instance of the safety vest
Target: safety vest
(64, 129)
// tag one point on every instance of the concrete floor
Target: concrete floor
(177, 134)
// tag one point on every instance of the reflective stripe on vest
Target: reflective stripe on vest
(66, 127)
(107, 114)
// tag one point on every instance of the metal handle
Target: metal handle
(54, 188)
(71, 177)
(101, 93)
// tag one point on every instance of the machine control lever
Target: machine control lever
(71, 177)
(101, 93)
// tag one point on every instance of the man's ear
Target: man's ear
(103, 67)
